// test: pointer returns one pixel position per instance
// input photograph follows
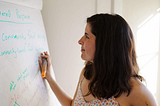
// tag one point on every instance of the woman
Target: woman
(110, 76)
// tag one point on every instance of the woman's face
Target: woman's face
(87, 43)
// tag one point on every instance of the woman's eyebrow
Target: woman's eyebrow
(86, 33)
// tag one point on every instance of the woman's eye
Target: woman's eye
(86, 35)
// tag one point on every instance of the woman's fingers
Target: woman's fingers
(47, 57)
(44, 56)
(46, 53)
(40, 63)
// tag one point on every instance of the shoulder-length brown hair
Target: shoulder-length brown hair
(115, 57)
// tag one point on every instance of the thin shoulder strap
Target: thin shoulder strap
(81, 79)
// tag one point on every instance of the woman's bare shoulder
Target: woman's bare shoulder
(80, 77)
(140, 95)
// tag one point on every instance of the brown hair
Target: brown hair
(115, 57)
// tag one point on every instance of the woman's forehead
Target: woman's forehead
(88, 27)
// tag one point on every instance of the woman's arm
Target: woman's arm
(80, 78)
(144, 97)
(141, 96)
(63, 98)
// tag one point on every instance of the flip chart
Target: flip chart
(22, 39)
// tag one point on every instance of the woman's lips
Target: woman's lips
(82, 50)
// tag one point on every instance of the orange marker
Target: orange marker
(44, 67)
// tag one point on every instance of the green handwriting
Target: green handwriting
(21, 50)
(15, 22)
(22, 16)
(39, 48)
(16, 104)
(8, 52)
(12, 51)
(14, 36)
(12, 85)
(41, 37)
(30, 47)
(5, 14)
(31, 35)
(23, 75)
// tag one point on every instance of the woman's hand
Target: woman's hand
(48, 58)
(63, 98)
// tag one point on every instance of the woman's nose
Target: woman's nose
(81, 41)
